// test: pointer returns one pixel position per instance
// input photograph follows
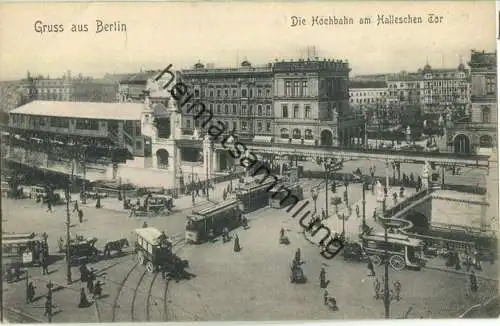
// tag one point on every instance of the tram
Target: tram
(281, 195)
(254, 195)
(22, 249)
(402, 251)
(210, 222)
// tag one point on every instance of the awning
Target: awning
(263, 139)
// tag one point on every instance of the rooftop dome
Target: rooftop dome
(461, 67)
(199, 65)
(427, 67)
(246, 64)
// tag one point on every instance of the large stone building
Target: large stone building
(478, 131)
(435, 90)
(131, 87)
(293, 102)
(68, 88)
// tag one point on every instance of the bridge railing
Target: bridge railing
(407, 203)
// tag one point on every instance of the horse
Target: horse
(116, 245)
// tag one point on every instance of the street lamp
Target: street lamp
(314, 195)
(68, 222)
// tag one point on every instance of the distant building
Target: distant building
(68, 88)
(10, 95)
(435, 90)
(131, 87)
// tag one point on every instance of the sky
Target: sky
(227, 33)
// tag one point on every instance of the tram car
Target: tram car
(255, 195)
(154, 250)
(210, 222)
(22, 249)
(402, 250)
(282, 195)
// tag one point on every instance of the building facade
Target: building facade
(436, 91)
(311, 102)
(131, 87)
(478, 132)
(68, 88)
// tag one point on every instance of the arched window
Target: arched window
(296, 134)
(259, 110)
(308, 134)
(234, 108)
(284, 133)
(268, 110)
(243, 110)
(218, 109)
(226, 109)
(485, 114)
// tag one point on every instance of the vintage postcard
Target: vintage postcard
(248, 161)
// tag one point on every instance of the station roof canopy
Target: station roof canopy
(83, 110)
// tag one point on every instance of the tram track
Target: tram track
(132, 292)
(134, 296)
(120, 289)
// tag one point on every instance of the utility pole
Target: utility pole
(326, 188)
(387, 301)
(364, 203)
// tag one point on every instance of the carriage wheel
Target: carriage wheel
(149, 266)
(140, 258)
(376, 260)
(397, 262)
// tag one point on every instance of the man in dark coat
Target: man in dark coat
(237, 246)
(30, 292)
(370, 267)
(84, 303)
(45, 265)
(80, 216)
(83, 273)
(473, 282)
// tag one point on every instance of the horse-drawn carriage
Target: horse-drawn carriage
(81, 249)
(154, 250)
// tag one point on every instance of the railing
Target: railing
(410, 201)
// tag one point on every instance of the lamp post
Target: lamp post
(314, 195)
(365, 185)
(231, 178)
(192, 184)
(68, 222)
(386, 273)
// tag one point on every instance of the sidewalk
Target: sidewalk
(65, 297)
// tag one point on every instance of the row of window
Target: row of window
(296, 134)
(368, 94)
(245, 125)
(233, 92)
(367, 100)
(233, 109)
(296, 112)
(296, 88)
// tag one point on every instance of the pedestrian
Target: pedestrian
(323, 214)
(473, 282)
(323, 283)
(84, 303)
(325, 297)
(30, 292)
(244, 222)
(80, 216)
(45, 264)
(97, 290)
(83, 273)
(98, 202)
(397, 290)
(49, 205)
(282, 233)
(371, 269)
(298, 256)
(357, 210)
(376, 288)
(457, 262)
(237, 247)
(375, 215)
(75, 207)
(132, 211)
(144, 225)
(225, 234)
(90, 282)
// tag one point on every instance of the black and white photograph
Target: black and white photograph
(249, 161)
